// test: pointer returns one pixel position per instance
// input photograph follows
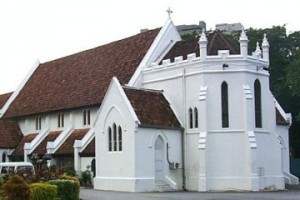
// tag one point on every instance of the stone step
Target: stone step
(162, 186)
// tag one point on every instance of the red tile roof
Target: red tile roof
(4, 98)
(10, 132)
(81, 79)
(67, 147)
(216, 41)
(89, 150)
(152, 108)
(19, 151)
(41, 149)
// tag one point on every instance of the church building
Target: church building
(153, 112)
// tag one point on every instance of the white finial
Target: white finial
(265, 47)
(203, 37)
(243, 36)
(169, 11)
(265, 42)
(257, 50)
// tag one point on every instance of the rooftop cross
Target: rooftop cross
(169, 11)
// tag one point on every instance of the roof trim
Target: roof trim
(20, 87)
(154, 49)
(286, 116)
(116, 82)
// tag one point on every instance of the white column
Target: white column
(244, 44)
(265, 47)
(77, 163)
(26, 151)
(203, 45)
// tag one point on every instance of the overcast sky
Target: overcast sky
(49, 29)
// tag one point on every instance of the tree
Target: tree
(284, 72)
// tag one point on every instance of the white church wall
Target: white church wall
(72, 118)
(171, 82)
(145, 158)
(85, 163)
(283, 134)
(115, 169)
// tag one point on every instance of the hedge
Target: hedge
(66, 189)
(43, 191)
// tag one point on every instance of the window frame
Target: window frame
(224, 105)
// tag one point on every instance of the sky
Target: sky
(45, 30)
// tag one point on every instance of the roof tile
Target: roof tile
(152, 108)
(19, 151)
(82, 77)
(67, 147)
(41, 149)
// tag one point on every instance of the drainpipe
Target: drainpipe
(183, 135)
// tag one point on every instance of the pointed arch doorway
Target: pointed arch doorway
(159, 160)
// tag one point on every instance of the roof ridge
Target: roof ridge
(100, 46)
(142, 89)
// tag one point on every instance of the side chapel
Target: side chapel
(153, 112)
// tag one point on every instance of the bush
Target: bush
(43, 191)
(72, 178)
(86, 178)
(16, 188)
(66, 189)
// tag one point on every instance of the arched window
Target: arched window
(257, 102)
(191, 117)
(4, 157)
(115, 137)
(196, 117)
(110, 143)
(224, 99)
(120, 138)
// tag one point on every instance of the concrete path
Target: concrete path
(90, 194)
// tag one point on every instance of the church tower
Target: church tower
(221, 95)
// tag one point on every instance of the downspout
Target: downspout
(183, 135)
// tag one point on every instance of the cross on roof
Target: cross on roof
(169, 11)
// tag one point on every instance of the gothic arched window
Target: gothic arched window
(196, 117)
(191, 117)
(257, 104)
(110, 143)
(224, 99)
(120, 138)
(115, 138)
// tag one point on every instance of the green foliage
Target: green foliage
(1, 182)
(66, 189)
(43, 191)
(284, 72)
(72, 178)
(16, 188)
(189, 35)
(70, 169)
(86, 177)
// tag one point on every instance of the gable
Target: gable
(81, 79)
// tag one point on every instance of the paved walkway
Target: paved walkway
(90, 194)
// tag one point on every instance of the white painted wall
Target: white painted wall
(115, 170)
(223, 158)
(72, 118)
(145, 139)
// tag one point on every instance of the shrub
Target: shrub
(67, 177)
(66, 189)
(16, 188)
(43, 191)
(70, 169)
(86, 178)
